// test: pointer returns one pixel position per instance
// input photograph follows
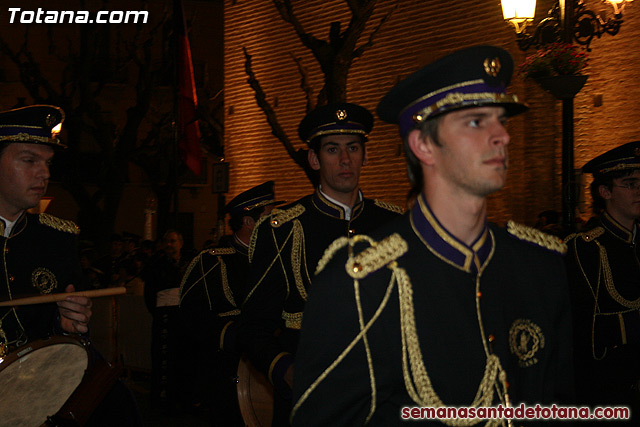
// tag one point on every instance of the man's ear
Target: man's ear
(365, 159)
(604, 192)
(422, 147)
(313, 160)
(248, 221)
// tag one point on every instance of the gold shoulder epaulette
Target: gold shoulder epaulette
(388, 206)
(592, 234)
(587, 236)
(540, 238)
(279, 217)
(58, 223)
(334, 247)
(378, 255)
(221, 251)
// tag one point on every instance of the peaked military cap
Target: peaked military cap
(624, 157)
(472, 77)
(36, 124)
(258, 196)
(336, 118)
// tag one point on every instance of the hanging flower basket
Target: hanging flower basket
(555, 59)
(562, 87)
(558, 68)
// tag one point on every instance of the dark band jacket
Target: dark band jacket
(410, 316)
(284, 251)
(40, 257)
(211, 292)
(604, 274)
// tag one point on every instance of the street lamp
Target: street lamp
(568, 21)
(519, 12)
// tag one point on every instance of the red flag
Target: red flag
(188, 129)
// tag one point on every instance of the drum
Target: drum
(255, 395)
(51, 382)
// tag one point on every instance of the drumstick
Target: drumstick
(43, 299)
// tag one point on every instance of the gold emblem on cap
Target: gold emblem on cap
(492, 66)
(341, 114)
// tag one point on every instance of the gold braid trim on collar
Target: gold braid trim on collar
(533, 235)
(388, 206)
(58, 223)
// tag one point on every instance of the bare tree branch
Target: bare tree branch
(299, 156)
(304, 83)
(360, 50)
(334, 56)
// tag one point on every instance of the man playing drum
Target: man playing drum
(39, 251)
(40, 256)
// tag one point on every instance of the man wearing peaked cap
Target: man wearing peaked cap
(40, 254)
(473, 77)
(439, 307)
(211, 293)
(27, 140)
(257, 197)
(287, 245)
(335, 119)
(604, 276)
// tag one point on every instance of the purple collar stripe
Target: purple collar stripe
(445, 245)
(434, 239)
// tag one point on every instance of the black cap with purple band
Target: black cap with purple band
(340, 118)
(473, 77)
(624, 157)
(36, 124)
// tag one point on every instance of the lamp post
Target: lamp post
(568, 21)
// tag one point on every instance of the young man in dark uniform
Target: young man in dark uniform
(39, 251)
(40, 256)
(211, 292)
(287, 245)
(604, 275)
(439, 307)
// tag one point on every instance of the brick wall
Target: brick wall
(418, 32)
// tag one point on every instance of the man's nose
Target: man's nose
(344, 157)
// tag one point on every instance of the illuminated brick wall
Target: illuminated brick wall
(418, 32)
